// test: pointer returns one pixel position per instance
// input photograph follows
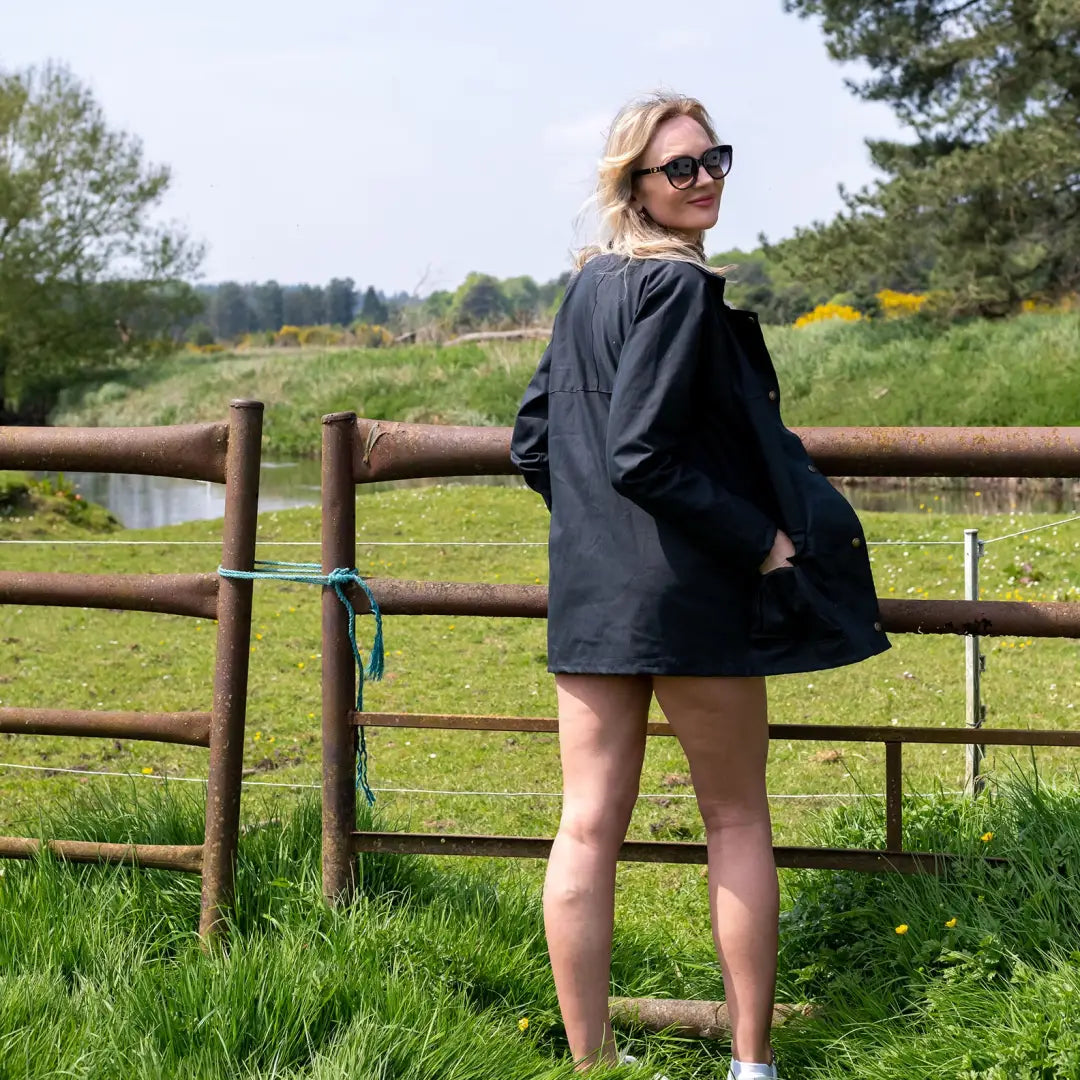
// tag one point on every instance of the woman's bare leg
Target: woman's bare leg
(722, 724)
(602, 722)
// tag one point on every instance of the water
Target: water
(146, 502)
(143, 502)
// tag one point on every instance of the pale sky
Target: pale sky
(388, 140)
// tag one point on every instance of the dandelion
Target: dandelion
(147, 770)
(258, 637)
(311, 716)
(986, 837)
(257, 736)
(902, 928)
(300, 665)
(523, 1023)
(951, 923)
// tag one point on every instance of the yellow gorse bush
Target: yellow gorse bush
(829, 311)
(896, 305)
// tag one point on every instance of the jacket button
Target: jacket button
(877, 626)
(856, 542)
(812, 468)
(772, 395)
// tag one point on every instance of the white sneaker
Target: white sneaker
(629, 1059)
(752, 1070)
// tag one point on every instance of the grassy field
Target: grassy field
(1021, 371)
(440, 972)
(429, 974)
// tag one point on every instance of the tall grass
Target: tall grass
(1022, 371)
(428, 973)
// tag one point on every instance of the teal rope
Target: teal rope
(308, 574)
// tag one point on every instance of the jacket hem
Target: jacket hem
(672, 666)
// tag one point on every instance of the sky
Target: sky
(404, 144)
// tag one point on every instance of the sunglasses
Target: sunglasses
(682, 172)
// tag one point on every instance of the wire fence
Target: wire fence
(297, 785)
(44, 542)
(168, 777)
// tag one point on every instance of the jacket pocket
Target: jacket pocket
(787, 606)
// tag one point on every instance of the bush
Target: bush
(200, 334)
(289, 336)
(371, 335)
(824, 312)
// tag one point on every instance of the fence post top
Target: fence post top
(339, 417)
(245, 403)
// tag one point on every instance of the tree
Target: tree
(478, 300)
(85, 275)
(522, 296)
(984, 204)
(759, 282)
(304, 305)
(373, 311)
(268, 306)
(230, 313)
(340, 301)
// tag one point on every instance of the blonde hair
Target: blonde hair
(623, 229)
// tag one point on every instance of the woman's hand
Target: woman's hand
(781, 551)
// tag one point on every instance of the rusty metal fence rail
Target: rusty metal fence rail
(226, 453)
(358, 451)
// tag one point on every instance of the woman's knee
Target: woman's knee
(720, 814)
(600, 828)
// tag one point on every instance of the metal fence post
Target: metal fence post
(222, 827)
(339, 733)
(974, 663)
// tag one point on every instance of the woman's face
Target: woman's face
(689, 210)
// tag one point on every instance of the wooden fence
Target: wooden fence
(227, 453)
(358, 451)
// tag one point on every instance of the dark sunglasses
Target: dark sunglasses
(682, 172)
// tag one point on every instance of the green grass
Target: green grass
(429, 973)
(1020, 371)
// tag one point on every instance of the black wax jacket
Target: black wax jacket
(652, 430)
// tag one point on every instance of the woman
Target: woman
(694, 549)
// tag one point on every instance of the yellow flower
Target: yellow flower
(986, 837)
(951, 923)
(311, 716)
(258, 637)
(257, 736)
(902, 928)
(523, 1023)
(829, 311)
(300, 664)
(147, 770)
(898, 304)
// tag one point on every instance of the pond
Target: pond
(142, 502)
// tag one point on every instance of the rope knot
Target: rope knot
(338, 580)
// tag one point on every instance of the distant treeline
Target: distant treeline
(232, 309)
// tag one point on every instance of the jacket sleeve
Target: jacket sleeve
(529, 442)
(652, 401)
